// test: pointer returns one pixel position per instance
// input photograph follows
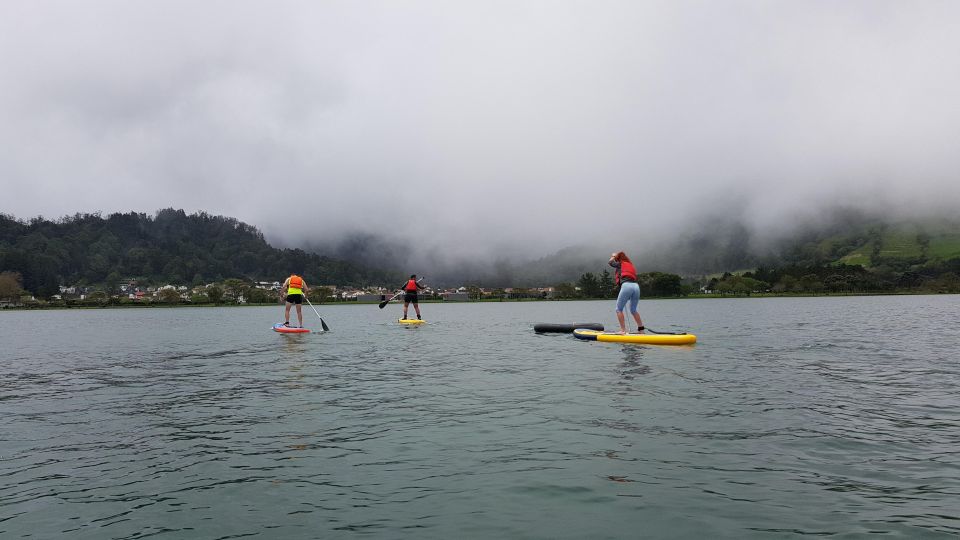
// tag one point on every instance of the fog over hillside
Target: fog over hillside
(473, 136)
(712, 243)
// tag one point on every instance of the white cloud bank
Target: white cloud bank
(470, 127)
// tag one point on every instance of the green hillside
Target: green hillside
(168, 247)
(945, 246)
(900, 243)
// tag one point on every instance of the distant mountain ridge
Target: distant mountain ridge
(841, 236)
(711, 245)
(172, 246)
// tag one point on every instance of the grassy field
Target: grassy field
(944, 246)
(859, 256)
(901, 242)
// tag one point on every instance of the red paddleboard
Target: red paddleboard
(279, 327)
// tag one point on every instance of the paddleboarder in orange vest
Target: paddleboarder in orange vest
(410, 289)
(292, 292)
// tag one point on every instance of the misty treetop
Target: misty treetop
(170, 246)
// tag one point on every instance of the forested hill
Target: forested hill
(843, 237)
(892, 250)
(169, 247)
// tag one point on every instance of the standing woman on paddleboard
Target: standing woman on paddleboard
(410, 289)
(626, 278)
(292, 292)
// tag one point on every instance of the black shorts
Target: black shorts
(294, 298)
(410, 297)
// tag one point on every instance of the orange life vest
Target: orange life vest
(626, 270)
(296, 282)
(411, 286)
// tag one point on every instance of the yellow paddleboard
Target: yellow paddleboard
(650, 339)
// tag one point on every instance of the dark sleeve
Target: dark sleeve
(614, 264)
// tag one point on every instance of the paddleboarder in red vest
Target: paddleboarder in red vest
(292, 292)
(410, 289)
(626, 278)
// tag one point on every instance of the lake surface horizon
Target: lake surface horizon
(793, 416)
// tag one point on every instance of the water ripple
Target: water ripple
(791, 417)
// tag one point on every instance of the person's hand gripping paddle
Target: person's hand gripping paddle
(385, 302)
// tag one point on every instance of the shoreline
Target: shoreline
(483, 301)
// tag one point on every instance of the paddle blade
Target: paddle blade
(324, 325)
(666, 333)
(383, 304)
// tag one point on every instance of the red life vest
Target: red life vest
(626, 270)
(296, 282)
(411, 286)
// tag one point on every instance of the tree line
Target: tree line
(169, 247)
(601, 285)
(933, 277)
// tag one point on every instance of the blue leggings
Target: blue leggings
(629, 290)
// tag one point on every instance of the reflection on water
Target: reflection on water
(632, 365)
(790, 417)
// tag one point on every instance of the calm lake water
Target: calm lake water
(835, 417)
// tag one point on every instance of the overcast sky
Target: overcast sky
(526, 126)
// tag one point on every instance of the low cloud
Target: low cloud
(480, 131)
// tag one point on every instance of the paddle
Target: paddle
(385, 302)
(665, 333)
(322, 324)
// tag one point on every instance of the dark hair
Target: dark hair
(413, 276)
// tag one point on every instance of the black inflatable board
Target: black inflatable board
(565, 328)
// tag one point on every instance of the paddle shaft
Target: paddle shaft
(385, 302)
(322, 324)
